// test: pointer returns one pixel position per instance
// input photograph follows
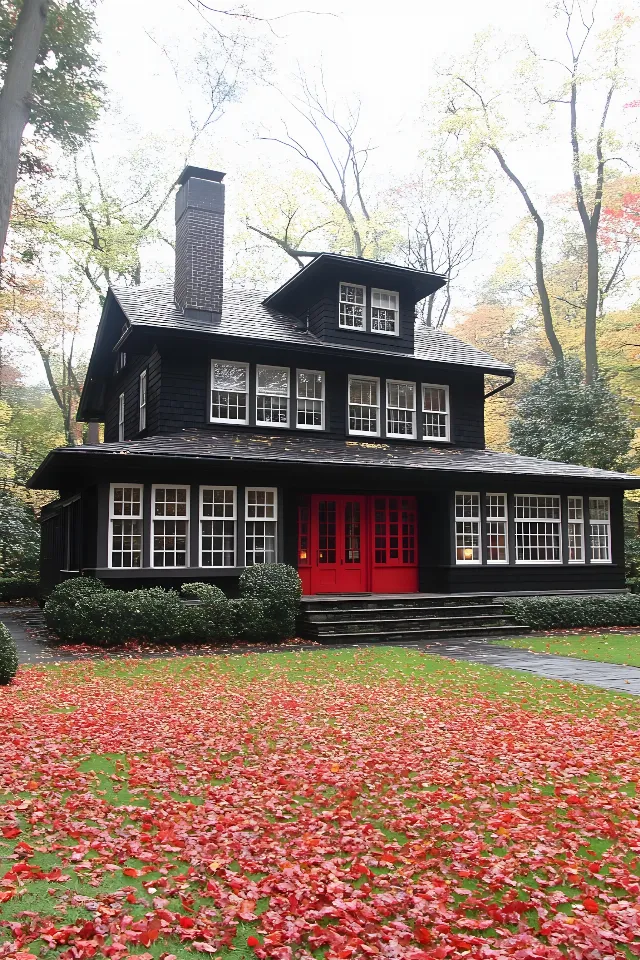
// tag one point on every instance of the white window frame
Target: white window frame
(396, 329)
(402, 383)
(477, 521)
(113, 516)
(447, 412)
(517, 520)
(121, 418)
(236, 363)
(270, 423)
(606, 523)
(203, 518)
(363, 433)
(573, 523)
(320, 400)
(142, 401)
(248, 519)
(489, 519)
(346, 326)
(187, 519)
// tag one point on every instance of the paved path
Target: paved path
(610, 676)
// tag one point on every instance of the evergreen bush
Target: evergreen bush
(19, 588)
(556, 613)
(202, 591)
(8, 656)
(278, 587)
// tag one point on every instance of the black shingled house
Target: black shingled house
(316, 426)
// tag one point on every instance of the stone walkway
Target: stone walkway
(609, 676)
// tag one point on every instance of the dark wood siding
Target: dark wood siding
(128, 382)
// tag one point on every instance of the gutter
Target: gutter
(502, 386)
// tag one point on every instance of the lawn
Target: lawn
(610, 647)
(337, 804)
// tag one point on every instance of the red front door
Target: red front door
(338, 548)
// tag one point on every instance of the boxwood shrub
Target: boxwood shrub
(19, 588)
(8, 656)
(565, 612)
(278, 587)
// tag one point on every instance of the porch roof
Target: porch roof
(290, 449)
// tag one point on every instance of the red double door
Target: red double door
(357, 544)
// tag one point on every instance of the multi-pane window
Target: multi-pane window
(261, 518)
(170, 526)
(600, 529)
(435, 411)
(538, 535)
(384, 311)
(121, 417)
(352, 306)
(364, 406)
(142, 401)
(468, 528)
(401, 409)
(272, 395)
(125, 522)
(217, 526)
(229, 392)
(395, 530)
(575, 524)
(310, 399)
(497, 530)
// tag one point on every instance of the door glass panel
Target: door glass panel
(327, 531)
(394, 530)
(408, 531)
(352, 532)
(380, 509)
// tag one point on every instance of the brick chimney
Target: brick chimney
(199, 243)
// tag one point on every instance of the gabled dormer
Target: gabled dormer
(356, 303)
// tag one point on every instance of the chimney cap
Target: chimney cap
(201, 173)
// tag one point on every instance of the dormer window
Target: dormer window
(385, 307)
(353, 301)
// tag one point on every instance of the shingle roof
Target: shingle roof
(245, 315)
(283, 449)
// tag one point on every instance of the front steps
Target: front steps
(389, 618)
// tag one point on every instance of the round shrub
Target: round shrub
(8, 656)
(202, 591)
(69, 609)
(278, 587)
(210, 620)
(154, 614)
(247, 619)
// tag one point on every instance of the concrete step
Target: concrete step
(402, 612)
(406, 636)
(407, 623)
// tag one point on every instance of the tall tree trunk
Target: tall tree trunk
(15, 101)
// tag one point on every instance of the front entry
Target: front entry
(350, 543)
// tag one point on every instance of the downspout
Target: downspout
(503, 386)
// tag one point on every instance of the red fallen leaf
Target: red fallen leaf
(422, 935)
(186, 923)
(131, 898)
(594, 867)
(131, 872)
(253, 941)
(10, 832)
(6, 895)
(590, 905)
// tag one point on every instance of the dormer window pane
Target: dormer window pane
(384, 311)
(229, 386)
(364, 406)
(272, 395)
(435, 411)
(310, 408)
(352, 306)
(401, 409)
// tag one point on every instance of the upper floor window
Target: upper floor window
(310, 399)
(229, 392)
(353, 301)
(435, 411)
(600, 529)
(272, 395)
(364, 406)
(401, 409)
(385, 312)
(142, 401)
(121, 417)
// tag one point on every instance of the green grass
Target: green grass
(606, 647)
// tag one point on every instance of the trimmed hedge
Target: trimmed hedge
(555, 613)
(19, 588)
(84, 609)
(8, 656)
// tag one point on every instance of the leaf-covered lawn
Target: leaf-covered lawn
(610, 647)
(338, 804)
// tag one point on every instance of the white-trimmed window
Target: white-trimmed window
(364, 406)
(435, 411)
(121, 417)
(229, 392)
(310, 399)
(169, 526)
(352, 306)
(468, 528)
(142, 401)
(401, 409)
(600, 529)
(497, 528)
(538, 534)
(385, 312)
(272, 395)
(261, 525)
(575, 524)
(218, 526)
(125, 525)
